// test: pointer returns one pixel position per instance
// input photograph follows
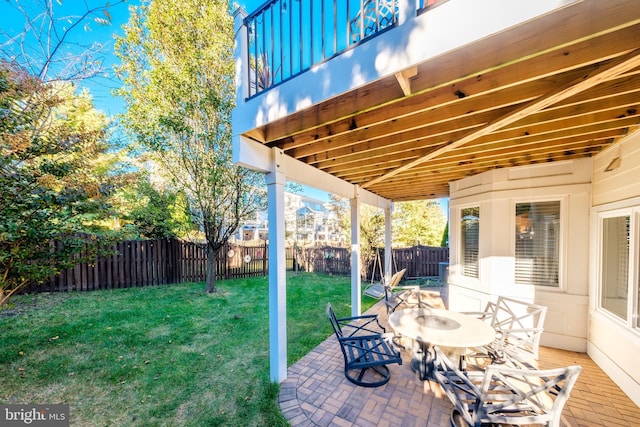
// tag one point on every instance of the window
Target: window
(537, 245)
(615, 265)
(423, 5)
(469, 240)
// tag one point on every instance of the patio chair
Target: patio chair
(504, 395)
(398, 297)
(392, 290)
(366, 348)
(378, 290)
(519, 326)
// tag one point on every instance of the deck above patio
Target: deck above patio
(431, 96)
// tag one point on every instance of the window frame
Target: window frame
(562, 244)
(631, 321)
(460, 245)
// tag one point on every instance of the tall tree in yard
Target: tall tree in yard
(419, 222)
(178, 68)
(54, 169)
(50, 186)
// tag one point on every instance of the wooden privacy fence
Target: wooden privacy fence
(420, 261)
(324, 259)
(135, 263)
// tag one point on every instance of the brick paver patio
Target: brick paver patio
(316, 393)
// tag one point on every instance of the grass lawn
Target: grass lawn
(161, 356)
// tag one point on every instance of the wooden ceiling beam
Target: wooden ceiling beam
(571, 124)
(619, 106)
(404, 79)
(615, 68)
(403, 187)
(476, 93)
(620, 126)
(488, 150)
(450, 129)
(491, 160)
(415, 142)
(543, 155)
(404, 141)
(497, 155)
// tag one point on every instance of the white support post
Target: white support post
(356, 305)
(388, 254)
(277, 270)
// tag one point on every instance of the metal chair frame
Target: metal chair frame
(366, 348)
(397, 296)
(505, 395)
(519, 326)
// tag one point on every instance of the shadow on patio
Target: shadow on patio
(316, 393)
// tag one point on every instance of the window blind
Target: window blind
(537, 245)
(470, 240)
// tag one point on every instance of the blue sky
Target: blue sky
(12, 22)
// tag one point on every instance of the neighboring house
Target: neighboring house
(310, 223)
(252, 231)
(524, 113)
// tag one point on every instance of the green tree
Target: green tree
(150, 212)
(340, 209)
(55, 171)
(419, 222)
(371, 227)
(178, 73)
(49, 141)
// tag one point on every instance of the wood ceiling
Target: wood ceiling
(562, 86)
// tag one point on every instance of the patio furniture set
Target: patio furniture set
(485, 362)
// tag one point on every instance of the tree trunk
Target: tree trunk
(212, 265)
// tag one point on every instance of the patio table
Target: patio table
(443, 328)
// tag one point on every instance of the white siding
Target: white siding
(612, 344)
(622, 183)
(496, 192)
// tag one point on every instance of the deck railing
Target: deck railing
(288, 37)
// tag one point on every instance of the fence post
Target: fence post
(265, 248)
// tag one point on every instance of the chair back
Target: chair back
(524, 396)
(366, 350)
(396, 278)
(334, 321)
(519, 325)
(400, 296)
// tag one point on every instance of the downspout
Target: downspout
(388, 254)
(356, 303)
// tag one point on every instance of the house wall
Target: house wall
(612, 343)
(586, 191)
(496, 193)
